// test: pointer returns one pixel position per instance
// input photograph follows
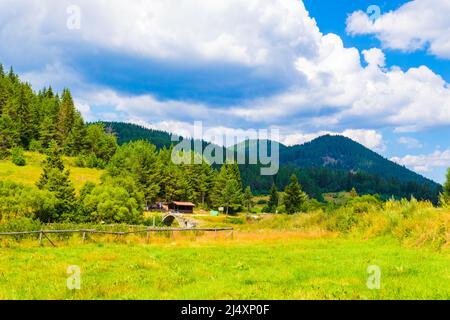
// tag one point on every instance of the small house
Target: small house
(182, 207)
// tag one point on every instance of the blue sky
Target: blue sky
(306, 67)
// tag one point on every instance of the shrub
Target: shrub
(281, 209)
(233, 220)
(36, 146)
(18, 201)
(112, 204)
(89, 161)
(17, 157)
(364, 203)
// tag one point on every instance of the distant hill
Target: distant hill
(326, 164)
(127, 132)
(341, 153)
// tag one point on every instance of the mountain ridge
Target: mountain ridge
(337, 156)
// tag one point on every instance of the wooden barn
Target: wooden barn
(181, 206)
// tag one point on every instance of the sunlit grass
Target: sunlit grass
(263, 265)
(30, 173)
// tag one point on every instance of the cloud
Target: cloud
(416, 25)
(374, 57)
(326, 87)
(410, 143)
(425, 162)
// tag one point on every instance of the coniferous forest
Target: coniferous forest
(139, 170)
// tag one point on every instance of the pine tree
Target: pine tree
(75, 141)
(273, 198)
(56, 179)
(248, 199)
(9, 135)
(447, 185)
(231, 197)
(67, 116)
(294, 197)
(444, 198)
(228, 172)
(353, 193)
(140, 161)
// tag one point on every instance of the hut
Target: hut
(181, 206)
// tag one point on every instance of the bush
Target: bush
(17, 157)
(364, 204)
(281, 209)
(313, 205)
(20, 224)
(36, 146)
(89, 161)
(261, 202)
(235, 220)
(17, 200)
(111, 204)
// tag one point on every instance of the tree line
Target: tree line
(137, 173)
(33, 121)
(387, 179)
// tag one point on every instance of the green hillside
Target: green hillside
(326, 164)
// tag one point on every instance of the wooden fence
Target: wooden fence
(85, 232)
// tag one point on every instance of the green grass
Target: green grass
(285, 268)
(30, 173)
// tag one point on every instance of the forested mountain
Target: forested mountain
(326, 164)
(338, 152)
(126, 132)
(36, 120)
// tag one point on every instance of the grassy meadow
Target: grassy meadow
(272, 257)
(30, 173)
(315, 255)
(251, 266)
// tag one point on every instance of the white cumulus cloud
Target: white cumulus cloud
(425, 162)
(416, 25)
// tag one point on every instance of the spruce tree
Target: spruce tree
(55, 179)
(294, 197)
(228, 172)
(447, 185)
(444, 198)
(231, 197)
(248, 198)
(273, 198)
(140, 161)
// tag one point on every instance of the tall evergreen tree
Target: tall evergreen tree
(69, 126)
(447, 185)
(55, 179)
(294, 197)
(139, 160)
(228, 172)
(248, 198)
(231, 197)
(273, 198)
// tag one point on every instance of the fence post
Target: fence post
(84, 236)
(148, 235)
(40, 238)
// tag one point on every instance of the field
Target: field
(271, 265)
(30, 173)
(314, 255)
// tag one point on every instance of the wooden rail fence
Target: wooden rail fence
(85, 232)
